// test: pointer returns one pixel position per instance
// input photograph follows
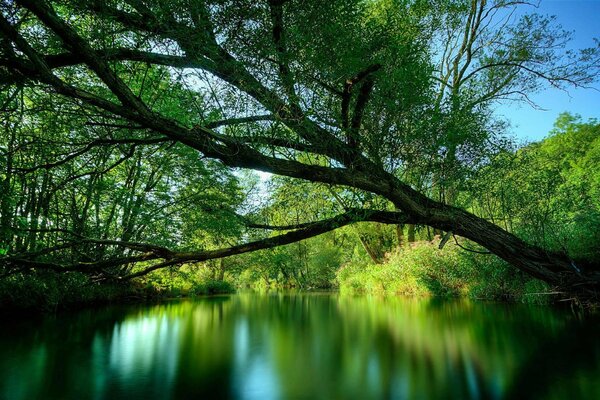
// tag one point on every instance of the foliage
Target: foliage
(307, 265)
(123, 123)
(188, 280)
(547, 192)
(50, 291)
(213, 287)
(424, 270)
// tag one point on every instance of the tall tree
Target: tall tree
(344, 93)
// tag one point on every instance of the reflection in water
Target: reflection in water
(303, 346)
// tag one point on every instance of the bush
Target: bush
(50, 291)
(424, 270)
(189, 280)
(212, 287)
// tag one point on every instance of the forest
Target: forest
(153, 148)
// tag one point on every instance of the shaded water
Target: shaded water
(309, 346)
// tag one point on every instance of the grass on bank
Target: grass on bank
(424, 270)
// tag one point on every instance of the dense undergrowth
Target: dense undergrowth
(418, 270)
(50, 292)
(425, 270)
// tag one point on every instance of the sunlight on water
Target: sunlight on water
(285, 346)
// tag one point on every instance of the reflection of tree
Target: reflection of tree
(301, 346)
(369, 348)
(42, 358)
(152, 351)
(451, 348)
(205, 350)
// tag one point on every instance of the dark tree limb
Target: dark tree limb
(279, 40)
(351, 128)
(278, 142)
(305, 232)
(151, 252)
(359, 109)
(241, 120)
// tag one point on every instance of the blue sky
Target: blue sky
(582, 17)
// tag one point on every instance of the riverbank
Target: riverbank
(50, 292)
(419, 270)
(424, 270)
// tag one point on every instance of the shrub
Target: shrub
(212, 287)
(424, 270)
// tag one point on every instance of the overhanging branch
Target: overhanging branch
(149, 252)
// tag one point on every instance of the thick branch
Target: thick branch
(277, 142)
(278, 34)
(359, 109)
(310, 230)
(241, 120)
(79, 46)
(365, 91)
(153, 252)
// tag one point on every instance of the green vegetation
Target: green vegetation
(50, 292)
(131, 133)
(424, 270)
(545, 192)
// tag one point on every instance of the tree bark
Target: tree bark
(221, 276)
(411, 233)
(400, 235)
(372, 254)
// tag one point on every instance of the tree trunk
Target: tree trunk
(6, 194)
(372, 254)
(221, 276)
(400, 235)
(553, 268)
(411, 233)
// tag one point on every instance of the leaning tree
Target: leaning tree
(392, 98)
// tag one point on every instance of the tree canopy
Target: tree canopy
(126, 124)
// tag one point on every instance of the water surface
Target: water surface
(303, 346)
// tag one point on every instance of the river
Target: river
(303, 346)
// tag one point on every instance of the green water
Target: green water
(311, 346)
